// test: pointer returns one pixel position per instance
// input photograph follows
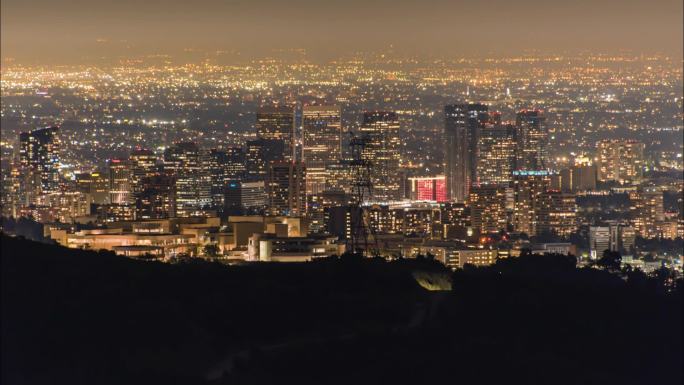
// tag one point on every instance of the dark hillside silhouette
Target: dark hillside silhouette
(83, 317)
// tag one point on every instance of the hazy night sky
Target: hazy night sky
(58, 31)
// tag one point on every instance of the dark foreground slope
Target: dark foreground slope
(76, 317)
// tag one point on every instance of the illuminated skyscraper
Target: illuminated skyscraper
(462, 125)
(143, 165)
(339, 177)
(620, 160)
(260, 153)
(488, 208)
(322, 144)
(528, 187)
(557, 213)
(286, 188)
(120, 202)
(217, 170)
(277, 123)
(120, 178)
(235, 163)
(189, 165)
(646, 211)
(95, 184)
(13, 198)
(39, 154)
(496, 155)
(533, 140)
(224, 166)
(383, 151)
(156, 198)
(26, 186)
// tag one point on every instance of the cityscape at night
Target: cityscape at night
(258, 208)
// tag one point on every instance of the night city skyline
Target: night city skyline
(342, 192)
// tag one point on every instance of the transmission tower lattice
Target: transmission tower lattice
(362, 190)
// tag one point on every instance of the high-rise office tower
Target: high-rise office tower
(95, 184)
(277, 123)
(156, 198)
(339, 177)
(286, 188)
(7, 192)
(496, 154)
(454, 222)
(259, 154)
(224, 165)
(235, 163)
(488, 208)
(143, 165)
(26, 185)
(120, 202)
(120, 188)
(39, 153)
(646, 212)
(100, 187)
(188, 164)
(218, 160)
(13, 198)
(383, 152)
(528, 187)
(557, 213)
(233, 172)
(321, 144)
(462, 125)
(620, 160)
(533, 140)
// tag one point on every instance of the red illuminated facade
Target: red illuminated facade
(428, 188)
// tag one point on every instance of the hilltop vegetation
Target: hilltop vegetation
(82, 317)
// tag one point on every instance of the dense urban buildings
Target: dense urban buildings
(456, 164)
(341, 192)
(462, 126)
(189, 164)
(39, 158)
(620, 160)
(381, 129)
(321, 144)
(496, 154)
(532, 138)
(286, 188)
(277, 123)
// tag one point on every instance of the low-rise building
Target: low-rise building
(274, 248)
